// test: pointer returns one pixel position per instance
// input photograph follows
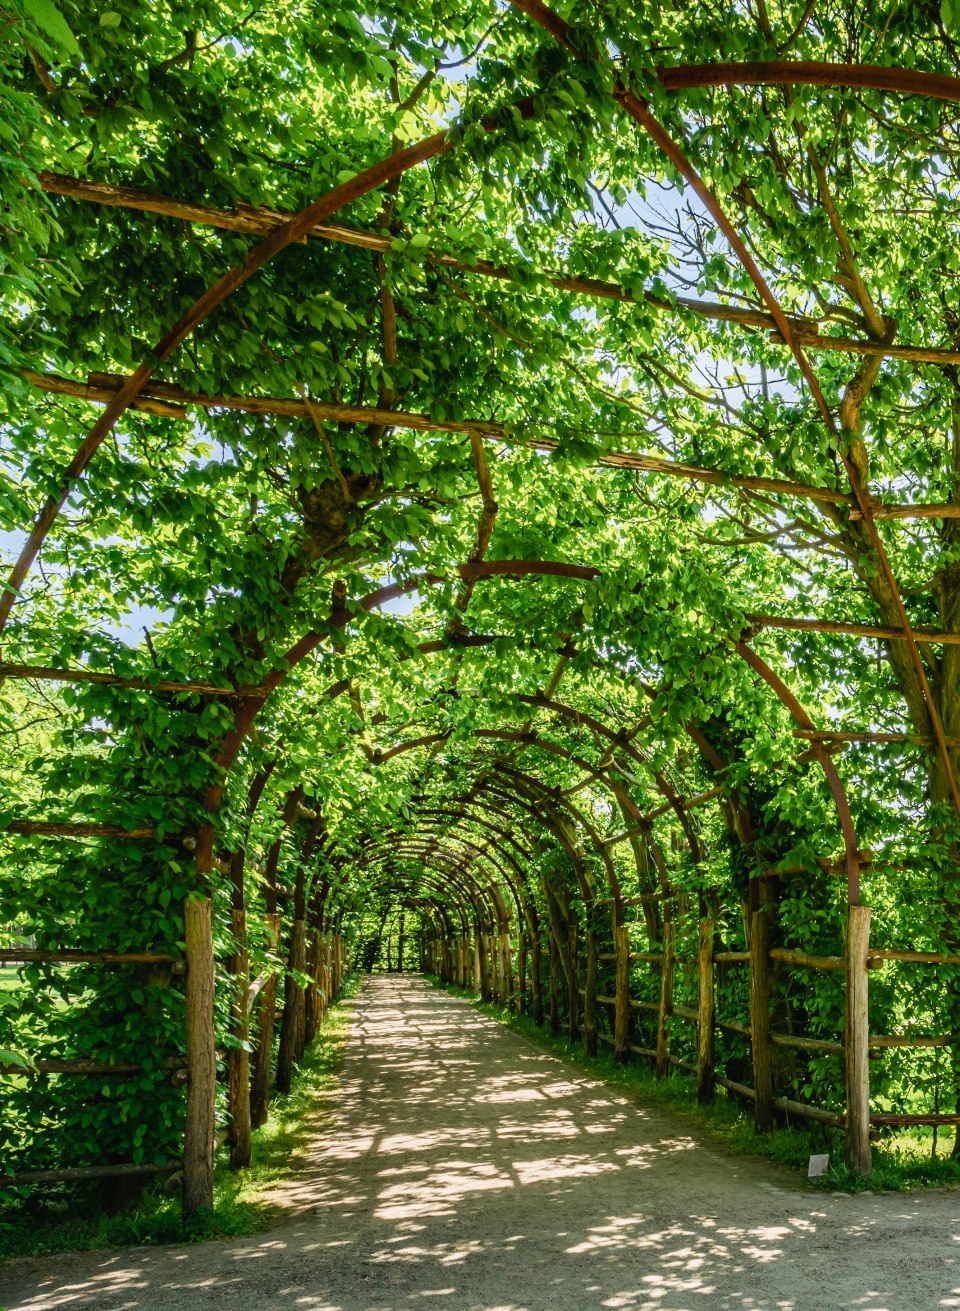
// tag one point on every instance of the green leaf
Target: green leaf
(52, 23)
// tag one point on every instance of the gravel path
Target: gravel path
(464, 1169)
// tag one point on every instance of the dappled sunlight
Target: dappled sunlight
(461, 1166)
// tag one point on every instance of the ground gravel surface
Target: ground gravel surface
(463, 1169)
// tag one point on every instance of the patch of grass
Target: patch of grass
(70, 1218)
(900, 1163)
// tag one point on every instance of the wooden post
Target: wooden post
(760, 1020)
(536, 969)
(327, 971)
(311, 1010)
(493, 950)
(856, 1040)
(554, 983)
(666, 1004)
(573, 995)
(291, 1027)
(201, 1057)
(260, 1083)
(483, 964)
(400, 942)
(506, 968)
(621, 1023)
(238, 1058)
(522, 973)
(706, 1089)
(590, 991)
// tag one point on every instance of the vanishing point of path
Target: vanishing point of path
(462, 1168)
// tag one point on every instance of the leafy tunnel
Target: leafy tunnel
(481, 498)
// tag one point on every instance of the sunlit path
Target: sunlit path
(463, 1168)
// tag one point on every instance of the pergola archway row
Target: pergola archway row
(460, 870)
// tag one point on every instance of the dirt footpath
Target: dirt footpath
(464, 1169)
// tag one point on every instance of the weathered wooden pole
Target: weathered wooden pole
(311, 1009)
(260, 1083)
(483, 964)
(238, 1058)
(590, 990)
(291, 1025)
(554, 961)
(665, 1008)
(760, 1044)
(856, 1042)
(573, 951)
(522, 973)
(400, 943)
(493, 949)
(506, 957)
(201, 1057)
(706, 1088)
(536, 973)
(621, 1022)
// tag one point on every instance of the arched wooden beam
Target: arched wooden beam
(531, 739)
(440, 841)
(826, 764)
(450, 869)
(635, 107)
(392, 166)
(437, 879)
(482, 884)
(422, 832)
(801, 72)
(619, 741)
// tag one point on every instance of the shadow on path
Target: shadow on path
(465, 1170)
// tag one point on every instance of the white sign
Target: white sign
(818, 1165)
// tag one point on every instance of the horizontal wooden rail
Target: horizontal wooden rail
(807, 960)
(261, 220)
(741, 1089)
(258, 984)
(78, 1174)
(25, 956)
(905, 1121)
(732, 957)
(917, 957)
(808, 1112)
(734, 1027)
(805, 1044)
(907, 1040)
(72, 829)
(44, 673)
(685, 1013)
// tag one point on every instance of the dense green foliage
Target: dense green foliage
(205, 545)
